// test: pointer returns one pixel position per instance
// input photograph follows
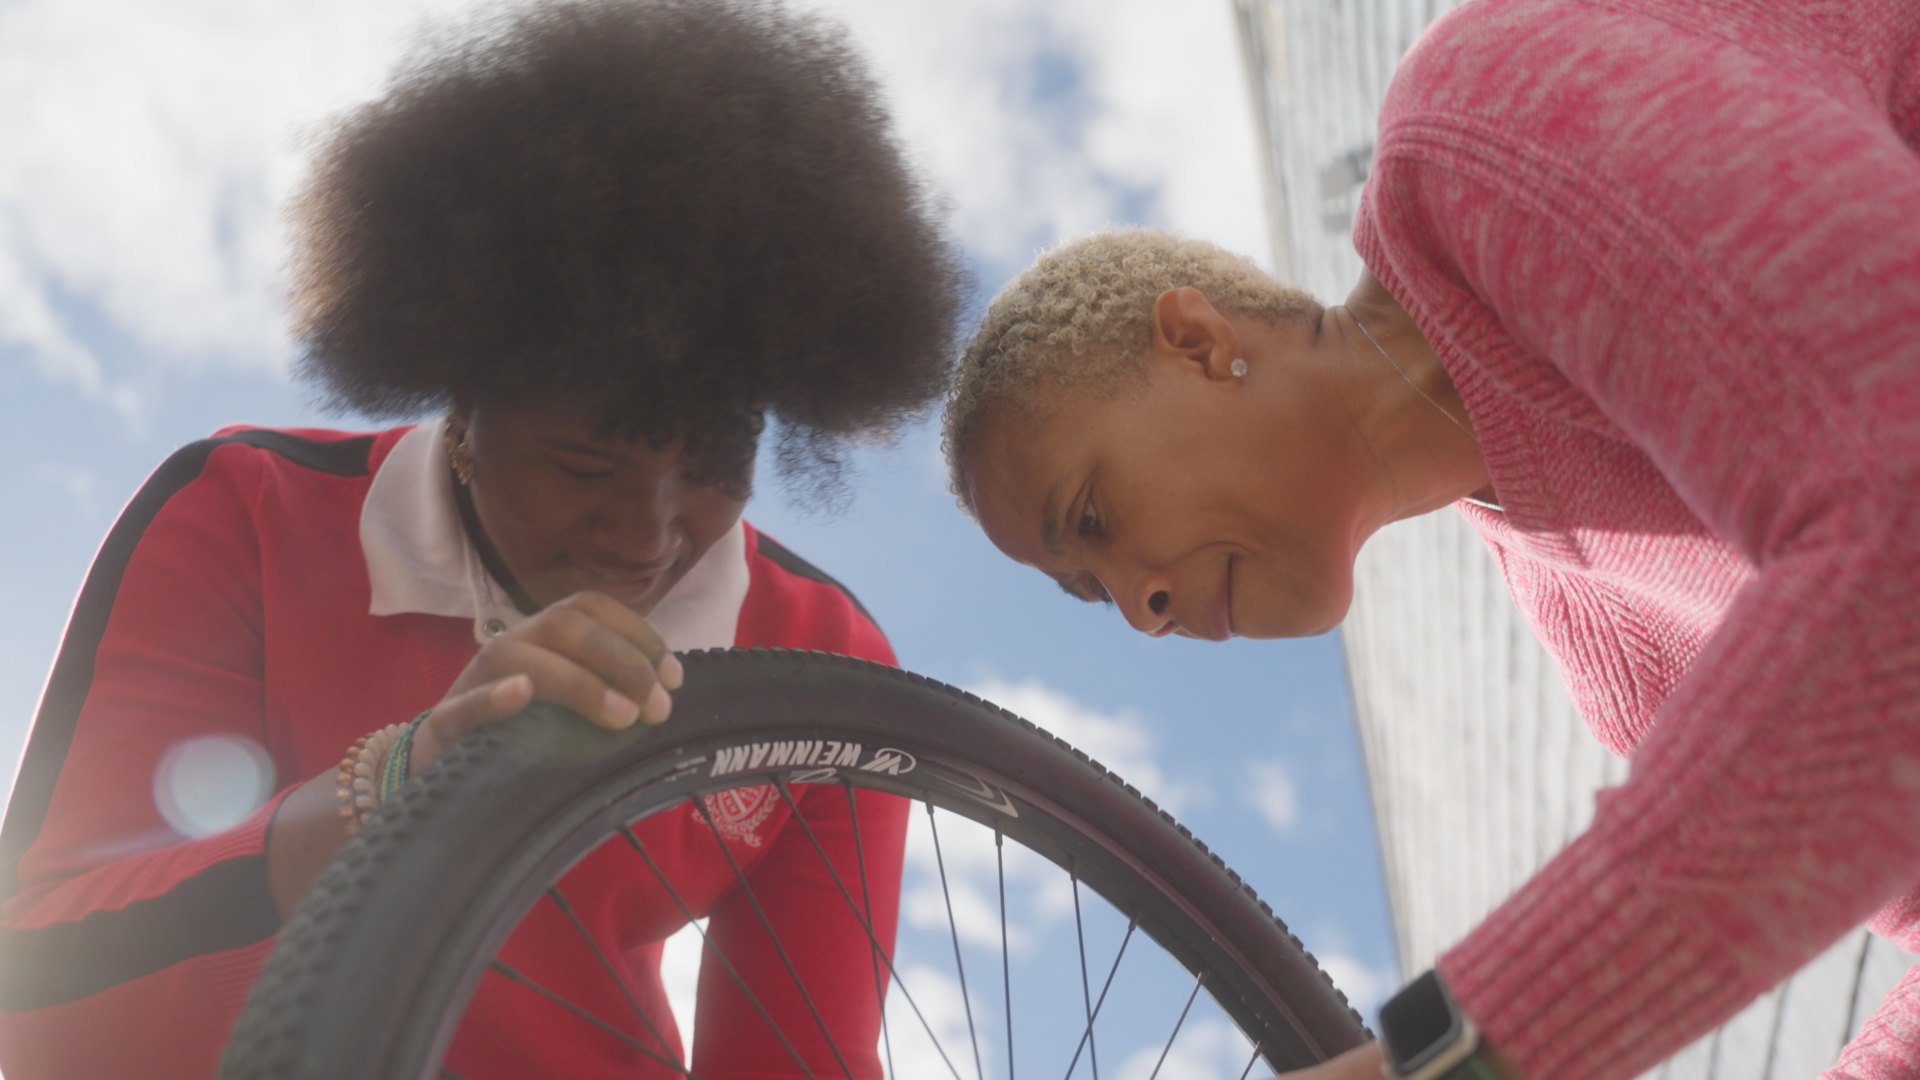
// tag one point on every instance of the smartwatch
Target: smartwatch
(1427, 1037)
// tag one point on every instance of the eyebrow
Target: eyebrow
(1050, 522)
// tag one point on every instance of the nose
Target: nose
(639, 522)
(1145, 605)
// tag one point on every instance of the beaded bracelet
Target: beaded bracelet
(357, 789)
(394, 772)
(373, 769)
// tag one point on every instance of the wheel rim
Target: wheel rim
(942, 809)
(1115, 903)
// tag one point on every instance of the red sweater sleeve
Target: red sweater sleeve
(1888, 1046)
(1715, 248)
(117, 923)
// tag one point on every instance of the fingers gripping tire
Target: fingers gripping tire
(370, 977)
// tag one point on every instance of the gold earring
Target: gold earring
(458, 455)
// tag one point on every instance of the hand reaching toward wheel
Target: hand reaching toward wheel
(1367, 1062)
(1360, 1063)
(588, 652)
(851, 750)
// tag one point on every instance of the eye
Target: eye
(1085, 587)
(580, 470)
(1089, 524)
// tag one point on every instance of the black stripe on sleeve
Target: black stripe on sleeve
(72, 675)
(226, 906)
(794, 564)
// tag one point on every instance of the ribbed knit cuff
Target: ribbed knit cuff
(1583, 975)
(1888, 1046)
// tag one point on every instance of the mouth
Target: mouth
(628, 581)
(1222, 621)
(1220, 627)
(1224, 608)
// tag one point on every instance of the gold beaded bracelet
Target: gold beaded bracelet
(357, 783)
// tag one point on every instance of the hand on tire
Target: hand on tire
(589, 653)
(1360, 1063)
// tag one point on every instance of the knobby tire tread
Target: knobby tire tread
(338, 957)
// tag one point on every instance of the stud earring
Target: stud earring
(458, 456)
(1238, 367)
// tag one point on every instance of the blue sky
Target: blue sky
(150, 144)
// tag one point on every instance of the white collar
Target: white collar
(419, 559)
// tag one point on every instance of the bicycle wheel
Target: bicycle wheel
(371, 976)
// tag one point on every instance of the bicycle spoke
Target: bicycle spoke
(954, 927)
(752, 998)
(874, 952)
(1248, 1071)
(860, 858)
(866, 923)
(511, 972)
(1006, 972)
(1086, 1039)
(553, 893)
(700, 808)
(1167, 1049)
(750, 717)
(1086, 990)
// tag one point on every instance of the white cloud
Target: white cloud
(1176, 115)
(1038, 892)
(915, 1056)
(149, 148)
(1205, 1049)
(1366, 987)
(1271, 790)
(970, 892)
(1039, 895)
(151, 144)
(1042, 120)
(1120, 741)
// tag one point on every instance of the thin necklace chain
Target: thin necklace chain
(1388, 357)
(1416, 386)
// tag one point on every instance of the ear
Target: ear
(1187, 330)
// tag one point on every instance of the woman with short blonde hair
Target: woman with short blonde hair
(1642, 301)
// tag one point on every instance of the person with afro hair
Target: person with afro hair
(602, 243)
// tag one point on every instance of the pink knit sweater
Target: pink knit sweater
(1669, 250)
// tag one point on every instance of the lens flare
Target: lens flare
(206, 784)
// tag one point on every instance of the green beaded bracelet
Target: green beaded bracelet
(394, 773)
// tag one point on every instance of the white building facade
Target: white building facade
(1480, 768)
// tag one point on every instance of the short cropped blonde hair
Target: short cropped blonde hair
(1082, 317)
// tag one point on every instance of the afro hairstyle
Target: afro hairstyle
(694, 212)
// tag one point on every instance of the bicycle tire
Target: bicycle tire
(369, 976)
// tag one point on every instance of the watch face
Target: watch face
(1418, 1022)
